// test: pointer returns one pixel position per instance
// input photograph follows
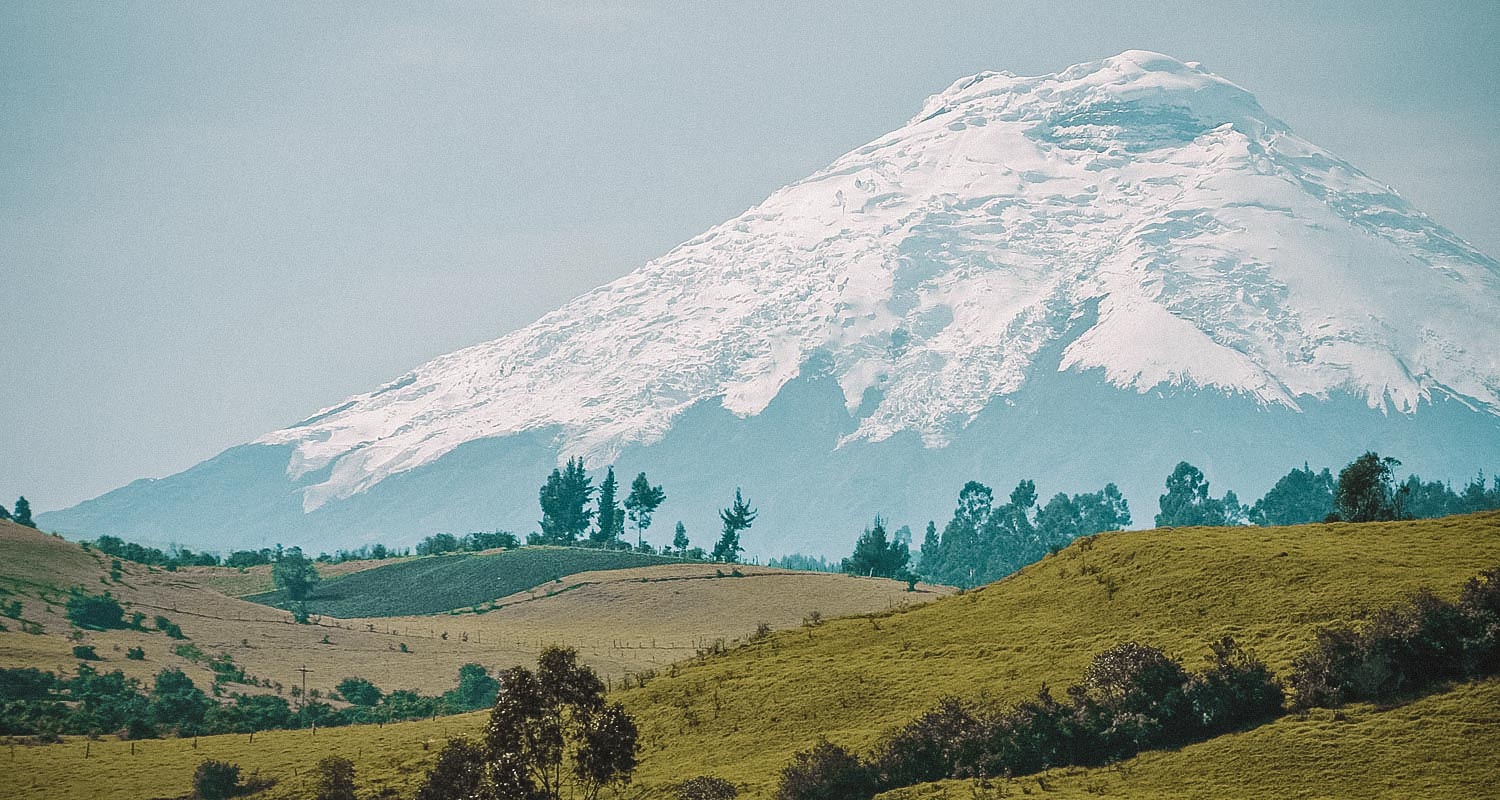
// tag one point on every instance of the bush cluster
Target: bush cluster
(1133, 697)
(1404, 649)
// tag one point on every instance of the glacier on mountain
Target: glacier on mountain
(929, 268)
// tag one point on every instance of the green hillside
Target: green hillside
(442, 583)
(743, 715)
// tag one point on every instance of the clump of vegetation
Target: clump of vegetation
(1405, 649)
(334, 779)
(170, 628)
(441, 543)
(85, 652)
(216, 780)
(136, 654)
(96, 612)
(706, 787)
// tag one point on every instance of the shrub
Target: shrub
(216, 780)
(334, 779)
(1404, 649)
(170, 628)
(826, 772)
(85, 652)
(706, 787)
(136, 654)
(100, 612)
(360, 692)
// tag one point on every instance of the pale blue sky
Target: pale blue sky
(216, 218)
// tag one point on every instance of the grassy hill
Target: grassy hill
(623, 622)
(742, 715)
(436, 584)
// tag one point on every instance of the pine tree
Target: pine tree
(22, 513)
(680, 539)
(643, 501)
(875, 556)
(3, 513)
(736, 518)
(607, 527)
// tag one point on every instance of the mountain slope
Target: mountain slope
(1137, 220)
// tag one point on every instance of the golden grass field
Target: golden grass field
(742, 715)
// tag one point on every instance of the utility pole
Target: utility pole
(304, 670)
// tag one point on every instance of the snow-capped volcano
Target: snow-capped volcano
(1138, 219)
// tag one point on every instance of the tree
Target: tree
(294, 573)
(100, 612)
(334, 779)
(736, 518)
(680, 539)
(1299, 497)
(360, 692)
(564, 500)
(22, 514)
(1187, 501)
(550, 735)
(476, 689)
(643, 501)
(1365, 490)
(175, 701)
(459, 772)
(874, 556)
(608, 518)
(4, 515)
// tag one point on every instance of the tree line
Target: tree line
(1365, 490)
(1134, 697)
(44, 704)
(985, 540)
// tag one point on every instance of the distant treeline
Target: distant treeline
(985, 541)
(1134, 697)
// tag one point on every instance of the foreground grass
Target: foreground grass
(1439, 747)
